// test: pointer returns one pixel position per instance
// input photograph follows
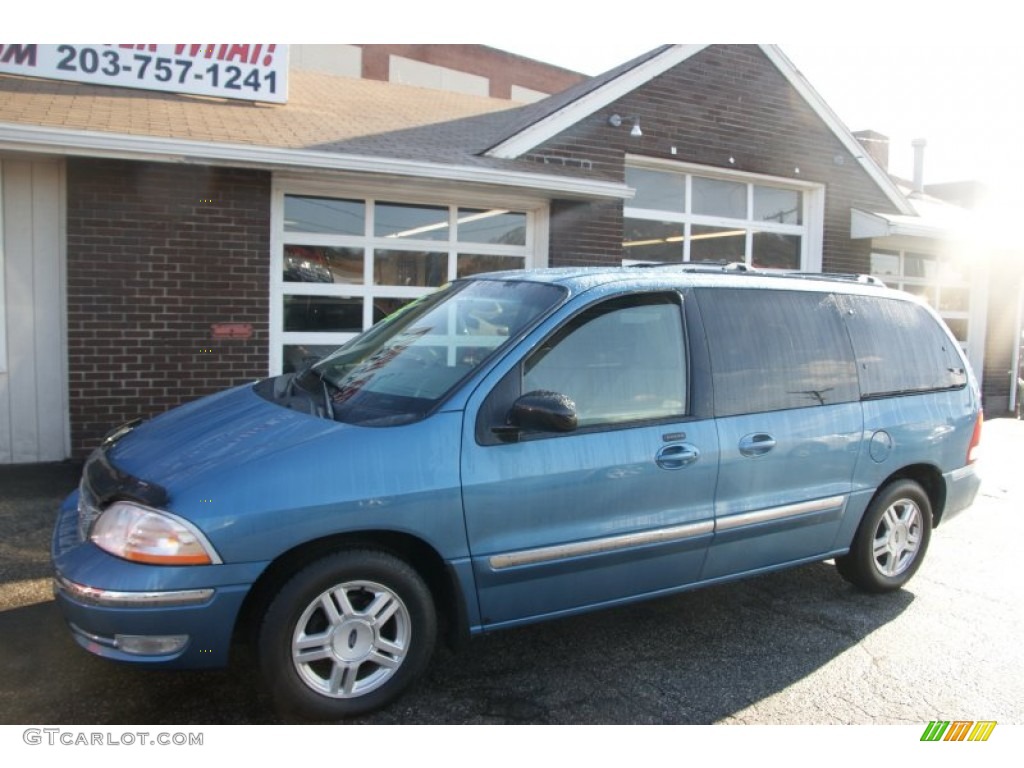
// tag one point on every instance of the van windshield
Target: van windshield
(401, 368)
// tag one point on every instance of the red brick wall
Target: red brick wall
(726, 101)
(156, 254)
(502, 68)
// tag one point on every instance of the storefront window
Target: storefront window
(680, 217)
(944, 284)
(343, 264)
(410, 222)
(322, 214)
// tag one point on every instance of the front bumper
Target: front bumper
(174, 617)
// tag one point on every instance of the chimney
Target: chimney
(877, 145)
(918, 145)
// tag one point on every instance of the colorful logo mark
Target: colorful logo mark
(958, 730)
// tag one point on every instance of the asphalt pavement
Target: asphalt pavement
(794, 647)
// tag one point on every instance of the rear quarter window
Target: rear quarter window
(901, 348)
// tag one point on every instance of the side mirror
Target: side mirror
(544, 412)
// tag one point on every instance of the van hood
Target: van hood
(213, 435)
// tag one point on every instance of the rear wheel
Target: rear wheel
(892, 539)
(347, 635)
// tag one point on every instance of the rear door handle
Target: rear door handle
(756, 444)
(677, 456)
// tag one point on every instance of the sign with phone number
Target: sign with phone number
(232, 71)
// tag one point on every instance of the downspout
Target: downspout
(1015, 370)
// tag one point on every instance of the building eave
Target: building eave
(831, 119)
(566, 117)
(57, 141)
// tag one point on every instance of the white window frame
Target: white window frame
(533, 252)
(811, 231)
(936, 285)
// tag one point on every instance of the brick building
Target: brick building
(160, 246)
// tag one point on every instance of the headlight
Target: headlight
(145, 535)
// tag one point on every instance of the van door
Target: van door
(620, 506)
(789, 423)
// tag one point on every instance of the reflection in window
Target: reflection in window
(653, 240)
(496, 226)
(718, 244)
(324, 215)
(714, 197)
(775, 251)
(384, 306)
(782, 206)
(919, 265)
(410, 268)
(776, 350)
(656, 190)
(295, 357)
(885, 263)
(475, 264)
(899, 347)
(417, 222)
(323, 313)
(319, 264)
(621, 361)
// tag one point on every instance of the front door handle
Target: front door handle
(756, 444)
(677, 456)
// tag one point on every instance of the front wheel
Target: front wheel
(347, 635)
(892, 539)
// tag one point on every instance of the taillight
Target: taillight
(972, 449)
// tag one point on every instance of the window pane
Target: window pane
(657, 190)
(927, 292)
(958, 327)
(885, 264)
(385, 306)
(323, 313)
(297, 356)
(899, 347)
(410, 268)
(775, 350)
(717, 244)
(652, 240)
(324, 214)
(420, 222)
(954, 299)
(920, 265)
(774, 251)
(316, 264)
(470, 264)
(494, 226)
(623, 360)
(714, 197)
(782, 206)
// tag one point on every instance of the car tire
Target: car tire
(346, 635)
(892, 539)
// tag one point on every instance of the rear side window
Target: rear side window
(900, 347)
(776, 350)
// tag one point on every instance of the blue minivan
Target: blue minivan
(517, 447)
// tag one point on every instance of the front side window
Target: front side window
(620, 361)
(677, 216)
(399, 370)
(776, 350)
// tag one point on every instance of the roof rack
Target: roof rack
(738, 267)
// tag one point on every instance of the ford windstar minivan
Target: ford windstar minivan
(517, 447)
